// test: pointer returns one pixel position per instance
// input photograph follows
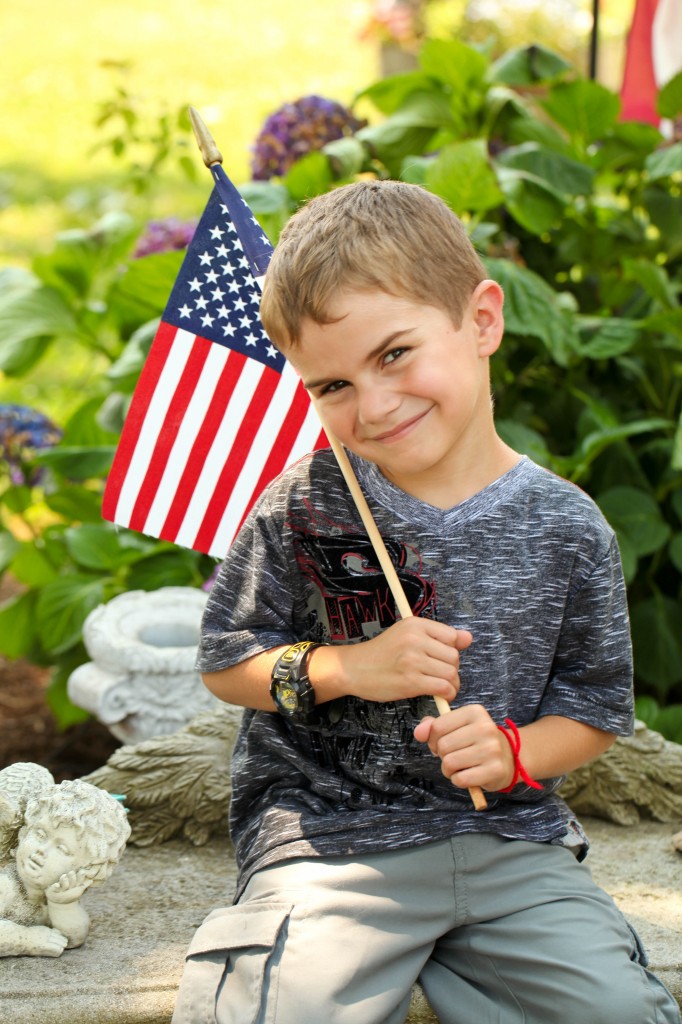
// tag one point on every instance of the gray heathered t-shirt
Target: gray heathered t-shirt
(528, 565)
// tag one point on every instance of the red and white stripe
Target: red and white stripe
(207, 430)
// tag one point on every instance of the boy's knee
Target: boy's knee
(635, 998)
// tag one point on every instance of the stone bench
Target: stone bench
(144, 917)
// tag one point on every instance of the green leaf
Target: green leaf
(57, 694)
(628, 558)
(8, 549)
(676, 457)
(635, 515)
(664, 162)
(676, 499)
(586, 109)
(525, 440)
(531, 202)
(669, 722)
(103, 547)
(146, 283)
(126, 370)
(453, 63)
(647, 710)
(665, 211)
(669, 322)
(32, 567)
(608, 337)
(310, 176)
(528, 65)
(174, 568)
(389, 94)
(409, 129)
(656, 634)
(675, 551)
(17, 499)
(78, 462)
(461, 175)
(63, 607)
(82, 429)
(347, 156)
(669, 103)
(533, 307)
(17, 626)
(76, 504)
(653, 279)
(561, 174)
(598, 441)
(29, 320)
(270, 203)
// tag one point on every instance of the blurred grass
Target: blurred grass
(235, 62)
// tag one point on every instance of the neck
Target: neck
(470, 473)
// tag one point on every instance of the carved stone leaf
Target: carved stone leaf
(151, 827)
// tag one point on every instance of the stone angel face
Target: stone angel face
(59, 840)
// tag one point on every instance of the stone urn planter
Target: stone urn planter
(141, 681)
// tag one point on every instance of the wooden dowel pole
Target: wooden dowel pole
(478, 797)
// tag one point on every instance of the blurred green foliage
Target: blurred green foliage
(577, 214)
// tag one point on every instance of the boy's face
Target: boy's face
(399, 385)
(46, 852)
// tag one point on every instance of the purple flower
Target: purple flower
(164, 235)
(22, 432)
(296, 129)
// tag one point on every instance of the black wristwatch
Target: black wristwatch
(290, 688)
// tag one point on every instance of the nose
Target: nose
(375, 403)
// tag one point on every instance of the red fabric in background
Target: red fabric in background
(638, 94)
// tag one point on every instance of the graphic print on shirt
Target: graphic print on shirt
(349, 600)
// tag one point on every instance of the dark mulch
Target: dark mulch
(28, 731)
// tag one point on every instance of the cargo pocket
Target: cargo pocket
(227, 962)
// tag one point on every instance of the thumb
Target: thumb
(423, 730)
(464, 639)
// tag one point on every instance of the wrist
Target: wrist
(512, 735)
(327, 672)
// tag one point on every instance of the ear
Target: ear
(485, 306)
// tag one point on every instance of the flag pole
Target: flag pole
(211, 155)
(207, 147)
(403, 605)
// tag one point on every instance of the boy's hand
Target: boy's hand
(472, 749)
(413, 658)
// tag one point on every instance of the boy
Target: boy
(363, 864)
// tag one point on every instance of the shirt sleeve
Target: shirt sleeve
(591, 678)
(249, 609)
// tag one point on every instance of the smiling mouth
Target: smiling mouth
(397, 433)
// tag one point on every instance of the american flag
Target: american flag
(217, 412)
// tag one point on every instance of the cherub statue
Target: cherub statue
(67, 838)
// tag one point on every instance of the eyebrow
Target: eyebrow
(375, 352)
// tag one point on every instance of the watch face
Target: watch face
(287, 698)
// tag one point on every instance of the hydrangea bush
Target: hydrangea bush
(295, 129)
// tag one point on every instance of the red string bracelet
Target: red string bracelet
(514, 740)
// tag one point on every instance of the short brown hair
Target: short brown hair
(385, 235)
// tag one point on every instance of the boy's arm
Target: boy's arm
(413, 658)
(474, 752)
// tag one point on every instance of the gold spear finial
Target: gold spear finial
(209, 151)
